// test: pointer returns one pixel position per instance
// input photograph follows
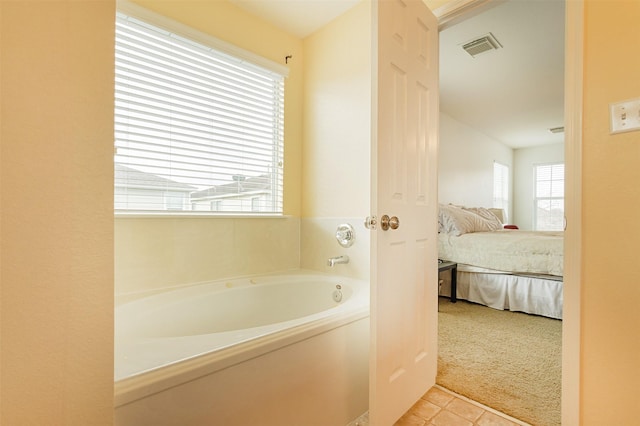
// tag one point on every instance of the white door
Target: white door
(404, 160)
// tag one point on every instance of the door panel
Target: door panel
(404, 160)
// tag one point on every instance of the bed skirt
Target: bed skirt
(533, 295)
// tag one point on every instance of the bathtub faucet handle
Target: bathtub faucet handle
(338, 259)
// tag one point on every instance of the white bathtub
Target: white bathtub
(225, 349)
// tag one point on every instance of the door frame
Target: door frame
(457, 10)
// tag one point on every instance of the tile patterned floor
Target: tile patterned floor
(441, 407)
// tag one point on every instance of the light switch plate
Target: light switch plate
(625, 116)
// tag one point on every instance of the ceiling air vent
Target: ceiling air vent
(482, 44)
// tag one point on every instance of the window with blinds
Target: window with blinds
(501, 187)
(196, 129)
(548, 210)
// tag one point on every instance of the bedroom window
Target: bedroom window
(501, 186)
(198, 123)
(548, 211)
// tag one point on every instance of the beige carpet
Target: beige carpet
(508, 361)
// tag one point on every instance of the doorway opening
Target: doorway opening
(462, 11)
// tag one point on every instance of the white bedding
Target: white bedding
(514, 251)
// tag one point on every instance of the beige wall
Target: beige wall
(337, 142)
(157, 253)
(56, 247)
(337, 117)
(611, 233)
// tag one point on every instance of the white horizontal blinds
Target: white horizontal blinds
(196, 129)
(549, 197)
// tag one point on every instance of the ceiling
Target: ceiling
(513, 94)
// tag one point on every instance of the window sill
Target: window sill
(196, 215)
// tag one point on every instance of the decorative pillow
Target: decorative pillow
(461, 220)
(485, 214)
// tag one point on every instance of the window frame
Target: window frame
(551, 198)
(153, 19)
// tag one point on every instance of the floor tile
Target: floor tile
(490, 419)
(447, 418)
(410, 419)
(424, 409)
(465, 409)
(438, 397)
(441, 407)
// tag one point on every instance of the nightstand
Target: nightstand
(445, 265)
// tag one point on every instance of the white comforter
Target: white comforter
(506, 250)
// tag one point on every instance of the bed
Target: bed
(501, 268)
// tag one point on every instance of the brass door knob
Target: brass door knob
(387, 222)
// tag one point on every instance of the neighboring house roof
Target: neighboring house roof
(252, 185)
(131, 178)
